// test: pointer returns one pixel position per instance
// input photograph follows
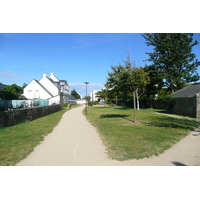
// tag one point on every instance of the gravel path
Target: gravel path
(75, 142)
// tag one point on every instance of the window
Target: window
(30, 93)
(37, 93)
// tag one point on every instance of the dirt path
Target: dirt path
(75, 142)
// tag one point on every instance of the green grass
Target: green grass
(18, 141)
(151, 135)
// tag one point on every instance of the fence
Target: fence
(14, 104)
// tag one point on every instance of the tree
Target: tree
(75, 94)
(102, 95)
(173, 58)
(11, 92)
(128, 79)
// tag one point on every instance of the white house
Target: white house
(93, 95)
(48, 88)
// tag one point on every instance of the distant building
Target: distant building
(187, 101)
(48, 88)
(2, 86)
(93, 95)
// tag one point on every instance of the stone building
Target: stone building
(187, 101)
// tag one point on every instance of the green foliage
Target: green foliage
(169, 102)
(75, 94)
(11, 92)
(123, 80)
(65, 105)
(92, 103)
(173, 60)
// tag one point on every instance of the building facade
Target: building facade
(47, 88)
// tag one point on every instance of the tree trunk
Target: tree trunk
(137, 97)
(134, 105)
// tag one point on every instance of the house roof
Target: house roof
(188, 91)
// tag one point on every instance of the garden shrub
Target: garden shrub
(169, 102)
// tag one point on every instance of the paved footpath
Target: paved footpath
(75, 142)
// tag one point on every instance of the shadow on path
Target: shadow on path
(178, 163)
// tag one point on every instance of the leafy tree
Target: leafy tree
(75, 94)
(173, 58)
(102, 95)
(128, 80)
(11, 92)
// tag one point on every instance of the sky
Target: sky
(74, 57)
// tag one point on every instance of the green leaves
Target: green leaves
(173, 58)
(123, 80)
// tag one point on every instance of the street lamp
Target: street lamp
(86, 83)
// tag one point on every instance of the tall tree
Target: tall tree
(75, 94)
(172, 56)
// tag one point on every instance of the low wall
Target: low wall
(17, 116)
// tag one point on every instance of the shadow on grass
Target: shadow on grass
(170, 122)
(161, 111)
(123, 108)
(113, 116)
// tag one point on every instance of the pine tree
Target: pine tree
(173, 58)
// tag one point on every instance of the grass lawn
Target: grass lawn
(17, 142)
(151, 135)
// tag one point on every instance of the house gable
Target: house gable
(34, 90)
(52, 76)
(49, 85)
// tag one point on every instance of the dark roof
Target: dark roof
(2, 86)
(188, 91)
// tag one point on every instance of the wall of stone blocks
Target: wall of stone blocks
(197, 105)
(17, 116)
(185, 106)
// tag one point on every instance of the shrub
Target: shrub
(91, 103)
(65, 105)
(169, 102)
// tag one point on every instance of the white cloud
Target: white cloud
(11, 76)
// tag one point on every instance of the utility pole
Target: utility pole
(86, 83)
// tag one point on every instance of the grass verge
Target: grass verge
(151, 135)
(17, 142)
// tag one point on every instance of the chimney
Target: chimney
(44, 75)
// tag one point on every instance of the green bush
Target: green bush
(169, 102)
(91, 103)
(65, 105)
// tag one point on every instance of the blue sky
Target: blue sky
(73, 57)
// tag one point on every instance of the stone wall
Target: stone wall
(186, 106)
(17, 116)
(197, 105)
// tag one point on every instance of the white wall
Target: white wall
(81, 101)
(93, 95)
(49, 85)
(34, 90)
